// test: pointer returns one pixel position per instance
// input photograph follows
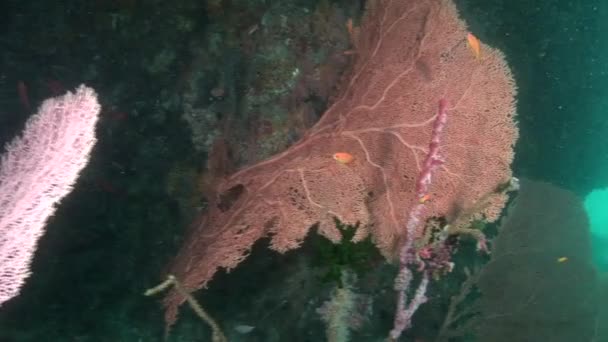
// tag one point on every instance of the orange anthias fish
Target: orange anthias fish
(343, 157)
(474, 44)
(349, 26)
(424, 198)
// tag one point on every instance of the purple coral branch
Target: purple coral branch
(407, 254)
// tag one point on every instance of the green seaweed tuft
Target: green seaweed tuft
(348, 255)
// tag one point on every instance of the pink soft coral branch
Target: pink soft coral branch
(407, 253)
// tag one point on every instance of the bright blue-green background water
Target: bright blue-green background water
(596, 205)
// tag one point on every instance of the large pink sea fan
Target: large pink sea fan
(409, 56)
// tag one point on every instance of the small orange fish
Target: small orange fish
(343, 157)
(424, 198)
(474, 44)
(349, 26)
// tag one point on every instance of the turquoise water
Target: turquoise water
(596, 205)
